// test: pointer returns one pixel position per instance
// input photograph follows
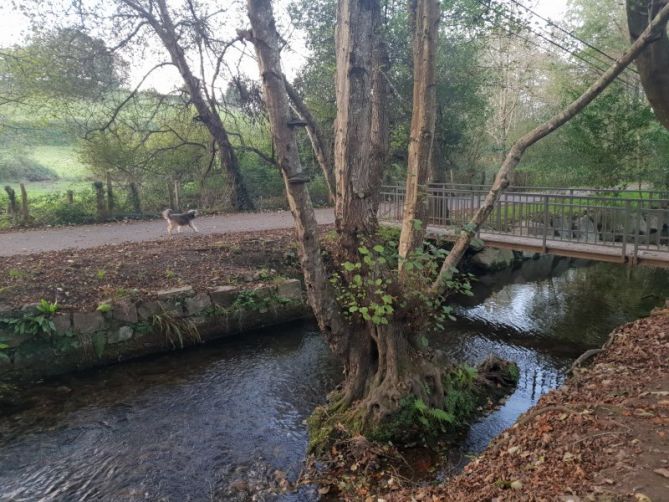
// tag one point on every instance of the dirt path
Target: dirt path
(89, 236)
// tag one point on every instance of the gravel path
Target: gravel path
(89, 236)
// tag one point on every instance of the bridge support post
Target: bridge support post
(545, 224)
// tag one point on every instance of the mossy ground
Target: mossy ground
(357, 465)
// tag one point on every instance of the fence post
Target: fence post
(70, 197)
(110, 196)
(637, 227)
(12, 207)
(545, 223)
(25, 213)
(100, 206)
(626, 228)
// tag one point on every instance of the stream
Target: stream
(211, 422)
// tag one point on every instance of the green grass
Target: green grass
(36, 188)
(62, 159)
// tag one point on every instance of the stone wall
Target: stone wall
(127, 328)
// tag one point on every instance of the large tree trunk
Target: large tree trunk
(425, 33)
(654, 30)
(357, 184)
(207, 112)
(381, 367)
(653, 62)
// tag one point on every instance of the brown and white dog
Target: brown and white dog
(179, 220)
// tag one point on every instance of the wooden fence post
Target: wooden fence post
(110, 196)
(100, 205)
(25, 213)
(12, 208)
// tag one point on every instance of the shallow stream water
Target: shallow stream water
(204, 423)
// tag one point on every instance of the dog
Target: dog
(179, 220)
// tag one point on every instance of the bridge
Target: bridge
(602, 225)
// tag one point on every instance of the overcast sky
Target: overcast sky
(14, 26)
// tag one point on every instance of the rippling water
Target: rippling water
(190, 426)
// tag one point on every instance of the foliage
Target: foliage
(32, 324)
(177, 331)
(367, 289)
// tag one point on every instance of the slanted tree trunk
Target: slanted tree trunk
(653, 31)
(317, 139)
(320, 292)
(653, 62)
(425, 33)
(162, 24)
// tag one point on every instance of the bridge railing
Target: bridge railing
(605, 218)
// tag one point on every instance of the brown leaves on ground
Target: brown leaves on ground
(81, 278)
(602, 436)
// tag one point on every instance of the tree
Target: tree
(186, 33)
(655, 29)
(370, 318)
(653, 63)
(371, 315)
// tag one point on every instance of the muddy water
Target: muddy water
(210, 423)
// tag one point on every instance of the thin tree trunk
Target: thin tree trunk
(317, 138)
(518, 149)
(414, 221)
(653, 62)
(207, 112)
(320, 292)
(177, 200)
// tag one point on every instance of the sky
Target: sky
(14, 29)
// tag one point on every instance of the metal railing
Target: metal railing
(610, 219)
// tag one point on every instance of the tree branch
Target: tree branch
(516, 152)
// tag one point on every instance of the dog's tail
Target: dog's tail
(166, 214)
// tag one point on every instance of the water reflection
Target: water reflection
(190, 426)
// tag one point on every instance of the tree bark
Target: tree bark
(380, 133)
(414, 221)
(320, 292)
(357, 184)
(649, 35)
(653, 62)
(377, 359)
(207, 112)
(317, 138)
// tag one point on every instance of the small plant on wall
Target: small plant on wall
(33, 324)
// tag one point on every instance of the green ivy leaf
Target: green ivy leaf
(417, 225)
(363, 250)
(379, 248)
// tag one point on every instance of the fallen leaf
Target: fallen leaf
(662, 472)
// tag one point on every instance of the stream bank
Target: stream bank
(603, 435)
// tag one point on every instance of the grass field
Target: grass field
(36, 188)
(62, 159)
